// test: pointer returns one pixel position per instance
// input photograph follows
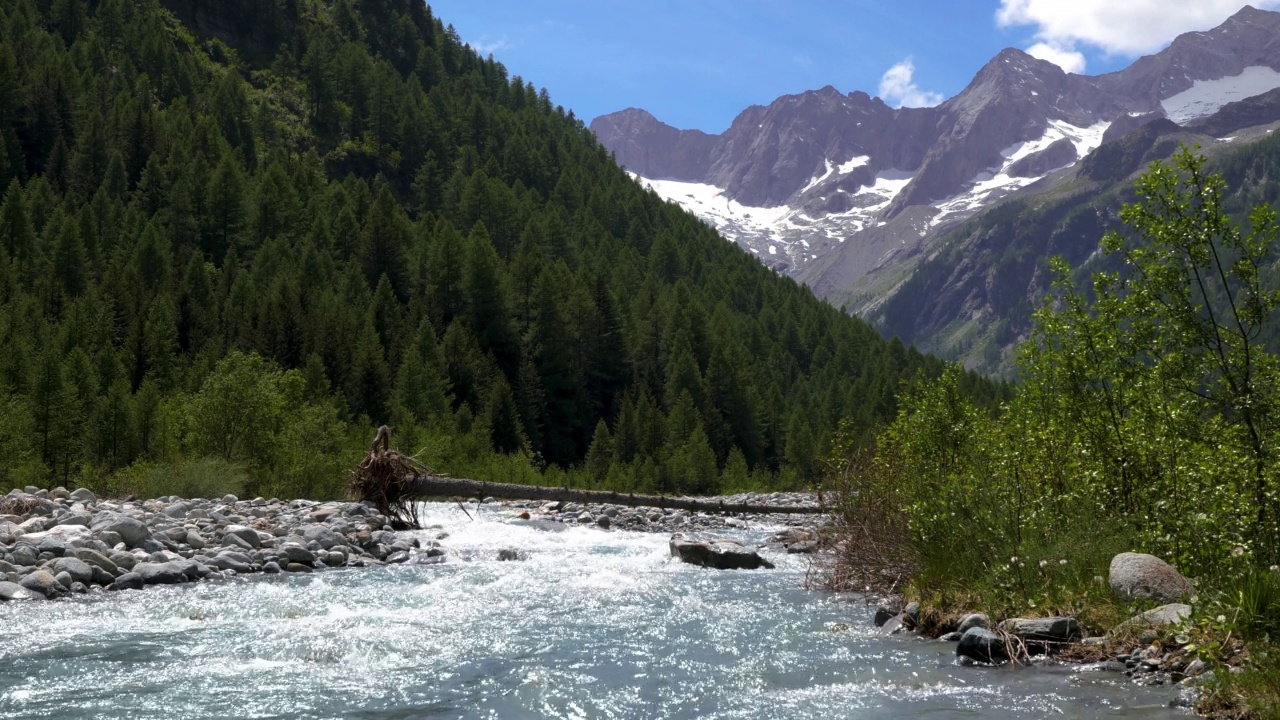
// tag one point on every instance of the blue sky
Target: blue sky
(698, 63)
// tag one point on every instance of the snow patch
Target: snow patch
(1205, 97)
(819, 179)
(848, 167)
(993, 184)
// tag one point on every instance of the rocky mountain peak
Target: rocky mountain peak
(821, 167)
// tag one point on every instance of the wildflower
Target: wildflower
(1013, 560)
(1063, 561)
(1275, 568)
(1237, 551)
(1043, 563)
(1222, 618)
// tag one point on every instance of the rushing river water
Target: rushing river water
(589, 624)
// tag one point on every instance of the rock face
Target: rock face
(716, 553)
(1137, 575)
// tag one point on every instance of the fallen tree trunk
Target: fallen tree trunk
(438, 486)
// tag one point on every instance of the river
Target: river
(587, 624)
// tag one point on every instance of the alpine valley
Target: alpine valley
(936, 223)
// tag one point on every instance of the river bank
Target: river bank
(55, 542)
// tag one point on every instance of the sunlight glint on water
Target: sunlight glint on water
(588, 624)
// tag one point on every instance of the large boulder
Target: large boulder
(1137, 575)
(716, 553)
(131, 530)
(982, 645)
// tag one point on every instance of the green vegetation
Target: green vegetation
(224, 261)
(1146, 421)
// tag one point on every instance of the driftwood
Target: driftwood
(393, 482)
(439, 486)
(383, 478)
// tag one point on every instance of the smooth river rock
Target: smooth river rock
(982, 645)
(1137, 575)
(131, 531)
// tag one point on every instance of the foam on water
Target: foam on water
(588, 624)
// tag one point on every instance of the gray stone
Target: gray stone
(325, 536)
(973, 620)
(235, 541)
(1136, 575)
(716, 553)
(398, 556)
(64, 579)
(297, 568)
(83, 495)
(603, 522)
(293, 552)
(893, 625)
(108, 538)
(1161, 617)
(177, 510)
(1044, 631)
(132, 531)
(883, 615)
(803, 547)
(248, 534)
(271, 568)
(222, 562)
(506, 554)
(951, 637)
(196, 540)
(25, 555)
(335, 558)
(81, 519)
(128, 581)
(124, 560)
(229, 498)
(13, 591)
(79, 570)
(102, 577)
(42, 582)
(159, 573)
(982, 645)
(911, 614)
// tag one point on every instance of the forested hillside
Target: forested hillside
(227, 254)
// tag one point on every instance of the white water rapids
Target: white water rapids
(587, 624)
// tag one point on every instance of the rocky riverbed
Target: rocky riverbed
(58, 542)
(1151, 648)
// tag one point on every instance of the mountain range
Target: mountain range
(856, 198)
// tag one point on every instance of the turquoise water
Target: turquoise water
(589, 624)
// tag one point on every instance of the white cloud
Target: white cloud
(897, 87)
(486, 47)
(1117, 27)
(1069, 59)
